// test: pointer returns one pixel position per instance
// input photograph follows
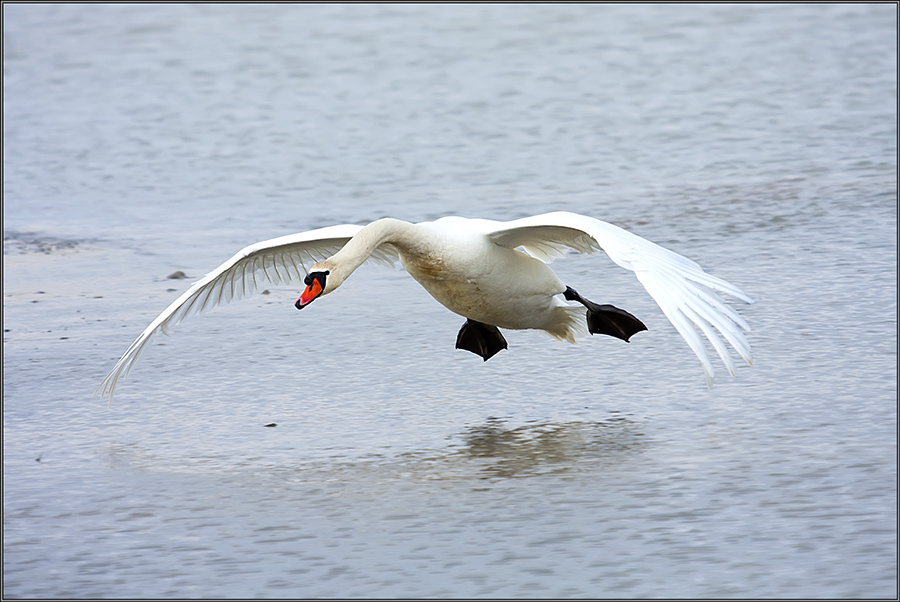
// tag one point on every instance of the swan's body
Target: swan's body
(472, 276)
(495, 274)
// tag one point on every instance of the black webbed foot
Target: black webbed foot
(481, 339)
(607, 319)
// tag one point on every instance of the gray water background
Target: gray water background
(144, 139)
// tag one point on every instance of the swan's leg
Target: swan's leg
(607, 319)
(481, 339)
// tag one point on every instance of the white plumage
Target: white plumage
(491, 272)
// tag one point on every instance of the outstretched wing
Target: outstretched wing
(270, 262)
(679, 286)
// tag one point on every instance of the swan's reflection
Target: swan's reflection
(490, 450)
(533, 449)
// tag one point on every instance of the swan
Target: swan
(492, 273)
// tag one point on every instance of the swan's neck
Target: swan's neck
(359, 248)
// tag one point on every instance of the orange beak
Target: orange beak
(315, 286)
(312, 291)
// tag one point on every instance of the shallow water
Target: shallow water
(144, 139)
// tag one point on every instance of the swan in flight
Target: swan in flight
(494, 274)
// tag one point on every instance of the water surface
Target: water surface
(144, 139)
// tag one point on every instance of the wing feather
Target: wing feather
(269, 262)
(682, 289)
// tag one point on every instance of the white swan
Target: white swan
(492, 273)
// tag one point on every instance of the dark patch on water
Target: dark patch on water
(23, 243)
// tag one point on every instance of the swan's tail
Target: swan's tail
(570, 322)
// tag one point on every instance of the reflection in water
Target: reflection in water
(494, 451)
(489, 451)
(546, 448)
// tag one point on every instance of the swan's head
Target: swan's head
(323, 278)
(316, 285)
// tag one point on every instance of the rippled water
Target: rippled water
(144, 139)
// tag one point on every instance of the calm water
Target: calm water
(144, 139)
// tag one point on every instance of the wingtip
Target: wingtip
(103, 391)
